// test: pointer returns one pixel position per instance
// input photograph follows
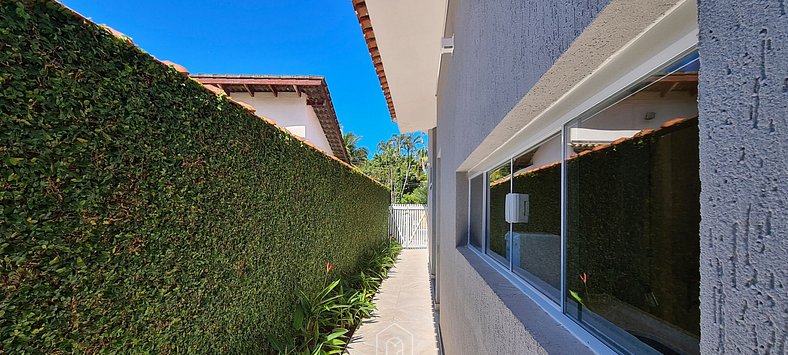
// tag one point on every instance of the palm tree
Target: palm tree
(397, 162)
(408, 143)
(357, 154)
(387, 152)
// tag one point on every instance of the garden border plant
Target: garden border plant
(144, 213)
(324, 322)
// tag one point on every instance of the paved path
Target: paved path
(404, 323)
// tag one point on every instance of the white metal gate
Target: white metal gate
(408, 223)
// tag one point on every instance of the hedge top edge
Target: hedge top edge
(119, 36)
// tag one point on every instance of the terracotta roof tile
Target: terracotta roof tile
(600, 147)
(214, 89)
(673, 122)
(270, 121)
(620, 140)
(314, 87)
(245, 105)
(179, 68)
(369, 36)
(118, 34)
(644, 132)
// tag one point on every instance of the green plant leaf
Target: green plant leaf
(14, 161)
(298, 318)
(336, 334)
(576, 296)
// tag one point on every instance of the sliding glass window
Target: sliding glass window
(617, 193)
(633, 214)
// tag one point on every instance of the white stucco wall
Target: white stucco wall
(629, 114)
(290, 111)
(549, 152)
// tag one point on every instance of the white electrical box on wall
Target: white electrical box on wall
(516, 208)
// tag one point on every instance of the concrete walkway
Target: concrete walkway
(405, 322)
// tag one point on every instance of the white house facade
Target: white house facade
(301, 104)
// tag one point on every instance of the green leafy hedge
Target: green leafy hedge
(143, 213)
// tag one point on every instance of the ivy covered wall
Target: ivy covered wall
(143, 213)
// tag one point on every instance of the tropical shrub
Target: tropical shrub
(323, 322)
(143, 213)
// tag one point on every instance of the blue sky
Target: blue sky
(304, 37)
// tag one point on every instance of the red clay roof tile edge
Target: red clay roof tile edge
(369, 36)
(325, 113)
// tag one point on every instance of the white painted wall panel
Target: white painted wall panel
(290, 111)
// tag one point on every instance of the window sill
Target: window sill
(539, 315)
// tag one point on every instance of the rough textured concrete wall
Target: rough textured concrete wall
(504, 324)
(744, 201)
(502, 49)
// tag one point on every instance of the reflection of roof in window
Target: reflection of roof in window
(666, 128)
(690, 63)
(665, 84)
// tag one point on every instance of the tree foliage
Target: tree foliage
(358, 154)
(400, 163)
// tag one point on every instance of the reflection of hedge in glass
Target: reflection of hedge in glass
(498, 226)
(633, 220)
(544, 189)
(633, 223)
(143, 213)
(499, 186)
